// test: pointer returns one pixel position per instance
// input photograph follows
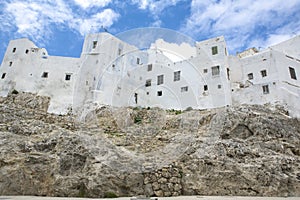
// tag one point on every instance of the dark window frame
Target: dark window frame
(214, 50)
(177, 76)
(293, 73)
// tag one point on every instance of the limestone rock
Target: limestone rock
(245, 150)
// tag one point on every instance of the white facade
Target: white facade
(112, 72)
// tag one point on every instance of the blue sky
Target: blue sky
(60, 25)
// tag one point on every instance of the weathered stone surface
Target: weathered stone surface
(245, 150)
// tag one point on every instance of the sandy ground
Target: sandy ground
(161, 198)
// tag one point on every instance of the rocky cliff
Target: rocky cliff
(106, 152)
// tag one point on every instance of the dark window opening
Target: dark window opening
(293, 73)
(265, 89)
(45, 75)
(160, 79)
(3, 75)
(215, 70)
(148, 83)
(68, 77)
(159, 93)
(147, 93)
(10, 64)
(177, 76)
(263, 73)
(119, 51)
(26, 51)
(214, 50)
(138, 61)
(205, 70)
(95, 44)
(135, 98)
(205, 87)
(14, 50)
(228, 73)
(184, 89)
(219, 86)
(250, 76)
(149, 67)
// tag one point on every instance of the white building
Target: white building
(110, 71)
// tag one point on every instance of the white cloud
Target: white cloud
(36, 19)
(92, 3)
(244, 22)
(103, 19)
(155, 7)
(33, 19)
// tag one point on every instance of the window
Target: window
(95, 44)
(263, 73)
(149, 68)
(228, 73)
(138, 61)
(113, 65)
(215, 70)
(219, 86)
(265, 89)
(292, 73)
(26, 51)
(68, 77)
(160, 79)
(148, 83)
(119, 51)
(184, 89)
(159, 93)
(177, 76)
(3, 75)
(250, 76)
(10, 64)
(45, 75)
(205, 88)
(214, 50)
(14, 50)
(147, 93)
(205, 70)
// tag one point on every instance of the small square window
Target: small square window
(219, 86)
(26, 51)
(263, 73)
(95, 44)
(3, 75)
(250, 76)
(10, 64)
(293, 73)
(45, 75)
(148, 83)
(149, 68)
(215, 70)
(177, 76)
(214, 50)
(159, 93)
(160, 79)
(113, 65)
(147, 93)
(205, 88)
(68, 77)
(205, 71)
(265, 89)
(184, 89)
(14, 50)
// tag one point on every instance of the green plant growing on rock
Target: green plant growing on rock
(110, 195)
